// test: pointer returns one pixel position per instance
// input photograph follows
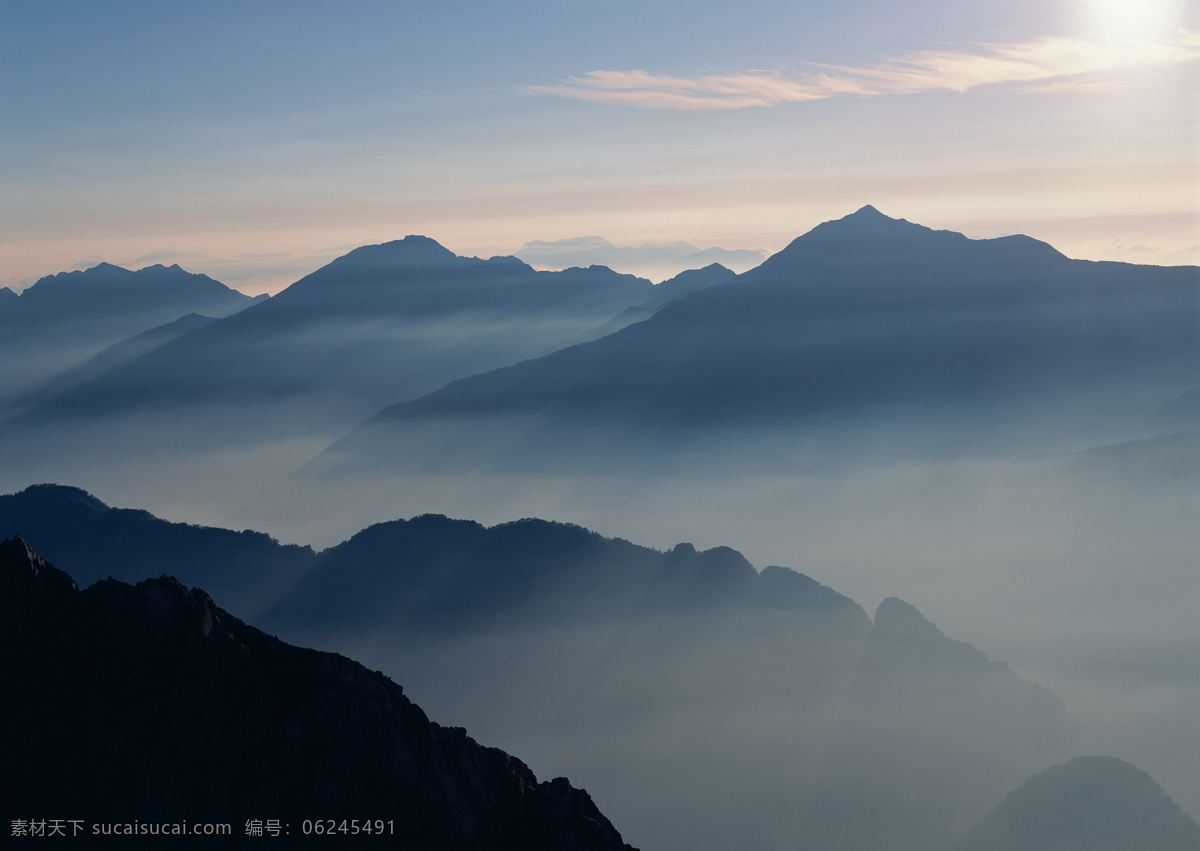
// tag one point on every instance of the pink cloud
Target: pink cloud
(1051, 63)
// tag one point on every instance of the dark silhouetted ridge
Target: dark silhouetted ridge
(427, 573)
(72, 527)
(149, 703)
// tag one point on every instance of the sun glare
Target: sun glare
(1131, 19)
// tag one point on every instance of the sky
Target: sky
(257, 141)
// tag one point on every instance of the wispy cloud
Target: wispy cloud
(1040, 65)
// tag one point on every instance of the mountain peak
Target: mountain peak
(869, 239)
(47, 494)
(868, 224)
(898, 620)
(1094, 802)
(414, 249)
(381, 261)
(29, 585)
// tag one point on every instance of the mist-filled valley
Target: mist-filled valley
(836, 553)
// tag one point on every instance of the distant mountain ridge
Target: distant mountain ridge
(1090, 802)
(383, 321)
(63, 319)
(656, 261)
(862, 315)
(113, 357)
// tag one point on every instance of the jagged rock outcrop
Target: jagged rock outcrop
(150, 703)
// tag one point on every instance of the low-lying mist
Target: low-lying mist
(708, 729)
(1077, 567)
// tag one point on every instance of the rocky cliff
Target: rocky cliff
(150, 704)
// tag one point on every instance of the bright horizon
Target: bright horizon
(255, 146)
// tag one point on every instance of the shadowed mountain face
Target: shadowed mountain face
(1091, 802)
(70, 526)
(426, 575)
(191, 715)
(864, 317)
(661, 680)
(432, 575)
(64, 319)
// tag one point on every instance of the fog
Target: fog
(1079, 572)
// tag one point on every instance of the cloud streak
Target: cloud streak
(1048, 64)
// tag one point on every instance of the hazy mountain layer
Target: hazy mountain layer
(240, 404)
(651, 260)
(701, 699)
(922, 787)
(64, 319)
(382, 322)
(190, 715)
(863, 319)
(1091, 802)
(70, 526)
(51, 395)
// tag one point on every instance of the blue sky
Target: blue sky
(256, 141)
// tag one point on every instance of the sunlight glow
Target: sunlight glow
(1131, 19)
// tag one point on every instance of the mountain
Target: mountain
(1161, 459)
(916, 759)
(861, 320)
(688, 282)
(429, 574)
(384, 321)
(190, 715)
(432, 574)
(72, 527)
(1096, 803)
(1182, 412)
(243, 402)
(112, 296)
(64, 319)
(656, 261)
(665, 679)
(112, 357)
